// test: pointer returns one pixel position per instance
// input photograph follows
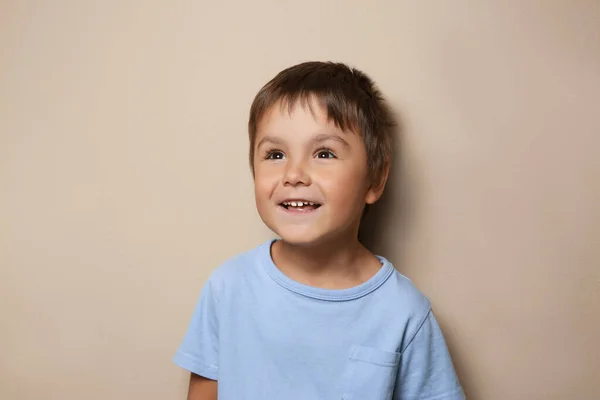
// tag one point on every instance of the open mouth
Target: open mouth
(300, 205)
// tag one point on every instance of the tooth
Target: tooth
(293, 203)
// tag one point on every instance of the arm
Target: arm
(202, 388)
(199, 350)
(426, 370)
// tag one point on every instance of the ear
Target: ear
(375, 191)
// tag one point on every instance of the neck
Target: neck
(337, 264)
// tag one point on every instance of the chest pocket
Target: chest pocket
(370, 373)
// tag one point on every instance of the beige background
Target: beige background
(124, 180)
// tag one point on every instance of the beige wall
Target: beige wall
(124, 180)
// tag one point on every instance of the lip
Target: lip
(297, 211)
(299, 199)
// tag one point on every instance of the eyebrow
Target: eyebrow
(321, 137)
(269, 139)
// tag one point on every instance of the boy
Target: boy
(314, 315)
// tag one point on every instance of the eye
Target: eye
(325, 154)
(275, 155)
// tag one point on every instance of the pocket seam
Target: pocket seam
(375, 356)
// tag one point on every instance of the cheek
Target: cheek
(261, 189)
(264, 184)
(346, 187)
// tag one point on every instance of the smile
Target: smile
(299, 205)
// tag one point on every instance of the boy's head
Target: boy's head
(320, 150)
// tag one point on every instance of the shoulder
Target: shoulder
(406, 293)
(400, 291)
(237, 269)
(405, 305)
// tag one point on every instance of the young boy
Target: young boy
(314, 315)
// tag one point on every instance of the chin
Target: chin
(298, 239)
(297, 236)
(304, 237)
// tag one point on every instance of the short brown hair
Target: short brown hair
(349, 96)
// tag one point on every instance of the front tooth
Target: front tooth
(293, 203)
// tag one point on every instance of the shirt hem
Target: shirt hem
(457, 394)
(197, 367)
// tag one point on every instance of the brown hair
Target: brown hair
(349, 96)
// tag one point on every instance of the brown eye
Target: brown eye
(325, 154)
(275, 155)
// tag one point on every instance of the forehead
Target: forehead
(300, 115)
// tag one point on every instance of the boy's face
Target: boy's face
(310, 177)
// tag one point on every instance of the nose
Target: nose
(296, 174)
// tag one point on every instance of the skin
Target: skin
(202, 388)
(301, 155)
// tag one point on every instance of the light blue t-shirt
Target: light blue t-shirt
(264, 336)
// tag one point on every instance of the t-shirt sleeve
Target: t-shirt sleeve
(426, 371)
(199, 350)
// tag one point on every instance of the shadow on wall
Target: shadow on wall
(389, 222)
(393, 208)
